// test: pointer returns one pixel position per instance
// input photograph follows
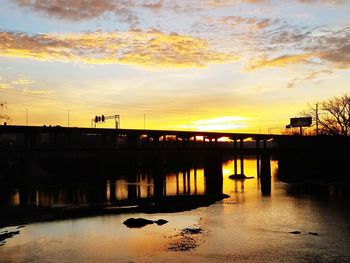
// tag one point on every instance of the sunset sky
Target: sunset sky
(235, 65)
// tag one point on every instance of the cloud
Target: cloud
(155, 5)
(128, 10)
(310, 76)
(22, 81)
(253, 23)
(12, 81)
(282, 61)
(217, 124)
(4, 86)
(262, 41)
(147, 49)
(322, 1)
(322, 45)
(83, 9)
(340, 56)
(37, 91)
(224, 3)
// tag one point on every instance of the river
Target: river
(248, 226)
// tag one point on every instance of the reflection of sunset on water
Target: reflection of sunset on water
(240, 190)
(186, 181)
(190, 182)
(244, 224)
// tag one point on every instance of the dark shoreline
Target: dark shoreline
(15, 216)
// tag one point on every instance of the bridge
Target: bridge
(35, 137)
(94, 149)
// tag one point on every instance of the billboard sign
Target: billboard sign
(301, 122)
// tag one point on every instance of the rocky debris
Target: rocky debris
(137, 222)
(296, 232)
(161, 222)
(184, 244)
(192, 231)
(187, 239)
(239, 177)
(5, 235)
(141, 222)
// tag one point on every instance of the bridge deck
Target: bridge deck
(183, 134)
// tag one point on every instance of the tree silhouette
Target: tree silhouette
(333, 116)
(3, 117)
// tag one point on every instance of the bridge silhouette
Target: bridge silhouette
(50, 154)
(35, 137)
(97, 148)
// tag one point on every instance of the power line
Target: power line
(63, 99)
(118, 105)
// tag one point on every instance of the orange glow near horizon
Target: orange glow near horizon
(228, 66)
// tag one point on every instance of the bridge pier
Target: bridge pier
(159, 182)
(112, 192)
(265, 174)
(235, 164)
(213, 175)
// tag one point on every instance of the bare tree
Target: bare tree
(333, 116)
(3, 117)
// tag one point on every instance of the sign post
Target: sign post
(300, 122)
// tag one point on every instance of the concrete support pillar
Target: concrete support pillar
(132, 191)
(158, 182)
(184, 181)
(177, 183)
(258, 165)
(213, 175)
(265, 175)
(112, 192)
(188, 181)
(195, 181)
(235, 163)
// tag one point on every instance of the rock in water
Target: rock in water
(137, 222)
(5, 235)
(295, 232)
(160, 222)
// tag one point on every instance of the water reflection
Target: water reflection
(190, 182)
(247, 226)
(238, 189)
(210, 178)
(117, 190)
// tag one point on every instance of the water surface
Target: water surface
(249, 226)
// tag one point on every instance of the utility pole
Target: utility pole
(26, 116)
(68, 118)
(316, 118)
(144, 121)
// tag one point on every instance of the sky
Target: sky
(220, 65)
